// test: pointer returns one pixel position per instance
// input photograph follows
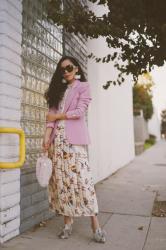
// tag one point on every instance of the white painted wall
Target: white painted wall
(159, 89)
(10, 103)
(110, 116)
(154, 125)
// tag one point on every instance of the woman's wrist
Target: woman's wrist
(48, 132)
(61, 116)
(54, 117)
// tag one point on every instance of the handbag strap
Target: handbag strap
(45, 153)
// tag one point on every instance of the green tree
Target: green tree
(142, 96)
(136, 30)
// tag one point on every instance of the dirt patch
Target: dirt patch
(159, 209)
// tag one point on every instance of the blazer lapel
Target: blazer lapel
(70, 95)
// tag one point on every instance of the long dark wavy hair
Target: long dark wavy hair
(56, 89)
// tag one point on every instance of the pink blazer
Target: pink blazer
(76, 103)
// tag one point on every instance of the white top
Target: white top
(62, 102)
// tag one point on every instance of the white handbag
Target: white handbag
(43, 170)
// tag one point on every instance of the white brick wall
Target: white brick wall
(10, 109)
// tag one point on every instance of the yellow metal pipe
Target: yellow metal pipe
(21, 160)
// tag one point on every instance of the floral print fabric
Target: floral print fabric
(71, 188)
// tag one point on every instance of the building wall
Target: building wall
(10, 106)
(41, 50)
(110, 116)
(141, 132)
(110, 120)
(154, 125)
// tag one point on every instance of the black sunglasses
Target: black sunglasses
(69, 68)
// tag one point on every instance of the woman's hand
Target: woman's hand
(46, 144)
(46, 139)
(51, 117)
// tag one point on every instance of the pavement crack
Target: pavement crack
(128, 214)
(146, 237)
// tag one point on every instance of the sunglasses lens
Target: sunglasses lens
(68, 68)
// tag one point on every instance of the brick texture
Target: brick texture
(10, 105)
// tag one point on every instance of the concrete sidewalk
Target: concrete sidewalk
(125, 201)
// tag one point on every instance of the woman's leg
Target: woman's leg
(67, 229)
(98, 233)
(94, 222)
(68, 219)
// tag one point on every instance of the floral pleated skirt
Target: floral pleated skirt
(71, 189)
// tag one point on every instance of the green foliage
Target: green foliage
(136, 29)
(147, 145)
(151, 141)
(142, 98)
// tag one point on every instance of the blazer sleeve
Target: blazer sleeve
(51, 124)
(82, 105)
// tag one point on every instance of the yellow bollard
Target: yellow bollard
(21, 160)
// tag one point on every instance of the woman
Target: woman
(71, 188)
